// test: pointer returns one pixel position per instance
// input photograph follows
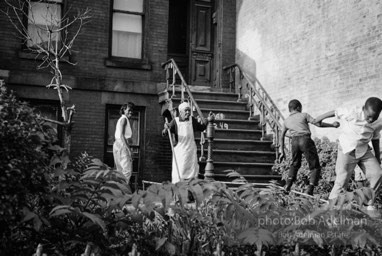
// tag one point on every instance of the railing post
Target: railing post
(250, 103)
(191, 106)
(209, 170)
(277, 142)
(231, 78)
(167, 77)
(240, 88)
(202, 158)
(173, 79)
(182, 92)
(263, 122)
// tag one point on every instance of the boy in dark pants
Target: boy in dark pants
(298, 125)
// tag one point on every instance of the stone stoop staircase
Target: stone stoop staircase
(237, 144)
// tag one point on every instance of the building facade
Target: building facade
(324, 53)
(118, 58)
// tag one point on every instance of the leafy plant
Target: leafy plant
(66, 206)
(265, 220)
(46, 199)
(24, 164)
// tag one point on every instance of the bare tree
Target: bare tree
(50, 33)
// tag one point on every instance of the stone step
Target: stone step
(237, 144)
(243, 168)
(241, 156)
(238, 134)
(216, 104)
(226, 113)
(259, 179)
(234, 124)
(237, 124)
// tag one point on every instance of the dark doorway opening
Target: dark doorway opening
(137, 125)
(178, 34)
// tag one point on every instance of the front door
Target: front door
(201, 43)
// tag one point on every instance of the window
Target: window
(49, 109)
(127, 27)
(43, 15)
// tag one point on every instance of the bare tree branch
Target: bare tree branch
(53, 121)
(51, 38)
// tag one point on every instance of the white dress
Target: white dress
(122, 155)
(185, 153)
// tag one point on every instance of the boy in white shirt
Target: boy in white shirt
(359, 127)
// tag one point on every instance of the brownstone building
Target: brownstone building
(324, 53)
(119, 55)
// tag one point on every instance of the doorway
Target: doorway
(137, 125)
(190, 39)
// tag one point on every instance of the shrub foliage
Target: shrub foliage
(66, 206)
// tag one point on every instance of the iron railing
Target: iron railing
(259, 102)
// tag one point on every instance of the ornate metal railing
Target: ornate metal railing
(259, 102)
(175, 79)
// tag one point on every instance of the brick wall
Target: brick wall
(91, 48)
(95, 85)
(324, 53)
(89, 128)
(228, 36)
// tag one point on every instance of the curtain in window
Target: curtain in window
(127, 35)
(40, 16)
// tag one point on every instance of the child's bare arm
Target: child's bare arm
(324, 125)
(324, 116)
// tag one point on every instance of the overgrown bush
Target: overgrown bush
(253, 221)
(24, 163)
(66, 206)
(45, 198)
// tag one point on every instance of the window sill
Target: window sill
(25, 54)
(115, 62)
